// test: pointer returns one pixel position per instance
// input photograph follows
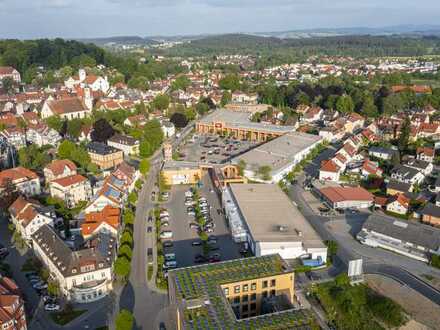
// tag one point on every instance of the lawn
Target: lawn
(64, 317)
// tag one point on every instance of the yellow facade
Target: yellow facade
(182, 176)
(107, 161)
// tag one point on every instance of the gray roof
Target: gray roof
(382, 150)
(266, 208)
(404, 230)
(123, 139)
(397, 185)
(241, 119)
(431, 210)
(418, 164)
(69, 263)
(101, 148)
(405, 172)
(278, 153)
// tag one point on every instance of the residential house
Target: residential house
(354, 121)
(313, 114)
(420, 165)
(329, 171)
(431, 214)
(41, 135)
(371, 168)
(29, 215)
(85, 133)
(426, 154)
(395, 187)
(95, 83)
(407, 174)
(14, 136)
(104, 156)
(71, 189)
(12, 311)
(399, 204)
(168, 129)
(9, 72)
(25, 181)
(58, 169)
(128, 145)
(107, 220)
(382, 153)
(83, 275)
(242, 97)
(346, 197)
(136, 121)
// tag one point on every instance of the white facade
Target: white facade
(329, 176)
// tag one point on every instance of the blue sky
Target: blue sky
(98, 18)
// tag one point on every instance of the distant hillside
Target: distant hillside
(123, 40)
(357, 46)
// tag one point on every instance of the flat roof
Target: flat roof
(279, 152)
(198, 294)
(180, 165)
(267, 209)
(241, 119)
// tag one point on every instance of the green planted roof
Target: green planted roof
(203, 283)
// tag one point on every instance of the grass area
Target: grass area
(358, 307)
(64, 317)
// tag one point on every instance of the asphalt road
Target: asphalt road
(148, 306)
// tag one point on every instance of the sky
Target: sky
(26, 19)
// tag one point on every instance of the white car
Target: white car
(52, 308)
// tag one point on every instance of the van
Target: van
(166, 234)
(170, 256)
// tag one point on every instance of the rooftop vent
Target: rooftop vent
(282, 228)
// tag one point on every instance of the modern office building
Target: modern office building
(250, 293)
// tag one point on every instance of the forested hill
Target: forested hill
(357, 46)
(51, 54)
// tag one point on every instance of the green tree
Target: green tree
(182, 82)
(74, 128)
(122, 266)
(345, 104)
(202, 108)
(124, 320)
(33, 157)
(145, 149)
(132, 198)
(230, 82)
(403, 140)
(129, 217)
(241, 167)
(392, 104)
(264, 172)
(66, 149)
(139, 82)
(55, 123)
(125, 251)
(226, 98)
(369, 109)
(127, 238)
(161, 102)
(144, 166)
(8, 85)
(332, 248)
(435, 261)
(190, 113)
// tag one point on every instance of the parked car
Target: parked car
(168, 244)
(188, 193)
(199, 259)
(209, 230)
(170, 256)
(196, 243)
(164, 213)
(40, 286)
(193, 225)
(166, 234)
(165, 195)
(52, 308)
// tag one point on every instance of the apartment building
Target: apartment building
(127, 144)
(26, 181)
(71, 189)
(12, 312)
(59, 168)
(84, 275)
(104, 156)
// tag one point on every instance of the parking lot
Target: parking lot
(184, 237)
(213, 149)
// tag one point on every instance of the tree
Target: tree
(124, 320)
(125, 251)
(161, 102)
(33, 157)
(55, 123)
(8, 85)
(405, 131)
(181, 82)
(230, 82)
(202, 108)
(264, 172)
(392, 104)
(179, 120)
(128, 217)
(74, 128)
(122, 267)
(102, 131)
(226, 98)
(345, 104)
(127, 238)
(132, 198)
(139, 82)
(65, 149)
(145, 149)
(144, 166)
(369, 109)
(332, 248)
(435, 261)
(241, 167)
(190, 113)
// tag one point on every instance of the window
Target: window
(245, 288)
(245, 298)
(226, 291)
(264, 294)
(253, 297)
(253, 306)
(264, 284)
(272, 283)
(272, 292)
(237, 289)
(236, 300)
(254, 286)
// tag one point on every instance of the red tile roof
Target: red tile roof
(16, 173)
(57, 166)
(340, 194)
(109, 215)
(70, 180)
(329, 166)
(67, 105)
